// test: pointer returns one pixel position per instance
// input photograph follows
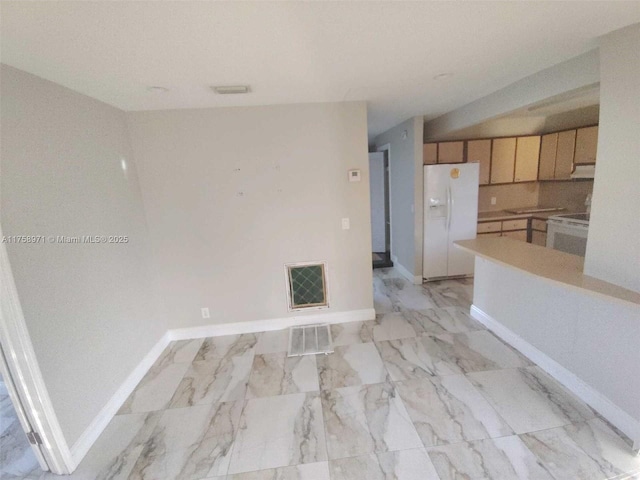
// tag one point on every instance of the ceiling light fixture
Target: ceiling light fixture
(231, 89)
(157, 89)
(442, 76)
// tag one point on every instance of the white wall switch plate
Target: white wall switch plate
(205, 312)
(346, 224)
(493, 200)
(354, 175)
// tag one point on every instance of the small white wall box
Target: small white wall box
(354, 175)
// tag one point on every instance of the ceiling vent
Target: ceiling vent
(231, 89)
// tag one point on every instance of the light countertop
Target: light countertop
(547, 263)
(502, 215)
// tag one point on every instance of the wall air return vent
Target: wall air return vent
(307, 286)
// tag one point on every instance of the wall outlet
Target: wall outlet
(346, 224)
(205, 312)
(493, 200)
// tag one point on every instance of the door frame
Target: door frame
(24, 372)
(386, 149)
(19, 409)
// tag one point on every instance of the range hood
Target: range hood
(584, 171)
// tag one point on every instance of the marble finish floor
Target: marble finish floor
(423, 392)
(16, 457)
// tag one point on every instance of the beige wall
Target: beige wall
(89, 309)
(582, 117)
(405, 186)
(613, 247)
(566, 76)
(233, 194)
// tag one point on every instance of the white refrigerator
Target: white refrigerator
(450, 214)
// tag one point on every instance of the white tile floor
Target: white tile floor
(422, 392)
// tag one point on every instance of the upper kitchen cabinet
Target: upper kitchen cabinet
(450, 152)
(430, 153)
(527, 155)
(564, 155)
(443, 152)
(586, 145)
(548, 148)
(479, 151)
(503, 159)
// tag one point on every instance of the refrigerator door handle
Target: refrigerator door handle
(449, 207)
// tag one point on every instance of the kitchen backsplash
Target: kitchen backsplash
(570, 195)
(508, 196)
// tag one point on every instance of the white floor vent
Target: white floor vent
(310, 340)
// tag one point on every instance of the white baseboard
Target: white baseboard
(605, 407)
(255, 326)
(415, 279)
(100, 422)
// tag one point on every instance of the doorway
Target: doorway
(18, 456)
(380, 211)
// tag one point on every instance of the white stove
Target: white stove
(568, 232)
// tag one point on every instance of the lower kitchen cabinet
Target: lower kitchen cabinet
(539, 238)
(507, 228)
(516, 234)
(523, 229)
(539, 232)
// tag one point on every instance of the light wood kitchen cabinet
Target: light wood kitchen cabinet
(488, 227)
(520, 224)
(430, 153)
(586, 145)
(479, 151)
(503, 158)
(548, 147)
(540, 225)
(527, 156)
(539, 238)
(450, 152)
(517, 235)
(564, 155)
(539, 232)
(517, 229)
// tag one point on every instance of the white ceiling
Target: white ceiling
(386, 53)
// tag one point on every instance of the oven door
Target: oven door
(569, 238)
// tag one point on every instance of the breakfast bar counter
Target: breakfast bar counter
(547, 263)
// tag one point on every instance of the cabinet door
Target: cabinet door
(517, 235)
(564, 155)
(488, 227)
(430, 153)
(451, 152)
(479, 151)
(539, 238)
(548, 149)
(586, 145)
(503, 157)
(527, 156)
